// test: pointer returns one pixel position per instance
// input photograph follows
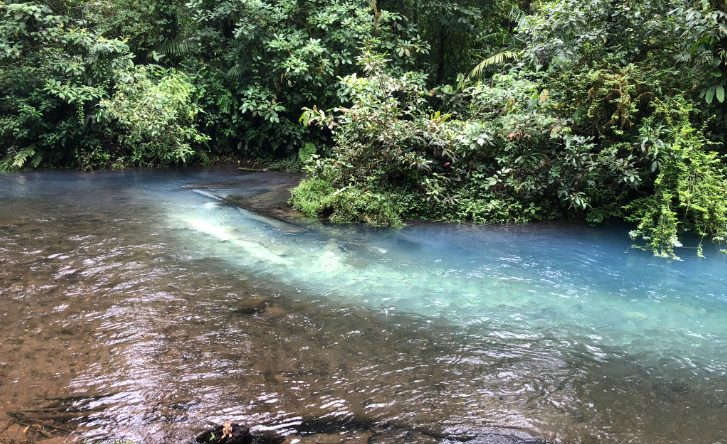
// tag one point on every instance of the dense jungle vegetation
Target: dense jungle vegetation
(480, 110)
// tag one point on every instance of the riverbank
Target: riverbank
(265, 192)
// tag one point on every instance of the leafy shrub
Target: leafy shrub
(306, 153)
(315, 197)
(155, 116)
(690, 190)
(53, 72)
(511, 156)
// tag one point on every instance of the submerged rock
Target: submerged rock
(267, 438)
(331, 438)
(226, 434)
(252, 306)
(229, 433)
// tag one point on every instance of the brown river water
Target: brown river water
(124, 317)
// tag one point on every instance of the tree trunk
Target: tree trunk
(443, 35)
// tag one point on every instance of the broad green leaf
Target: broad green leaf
(710, 94)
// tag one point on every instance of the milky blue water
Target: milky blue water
(556, 330)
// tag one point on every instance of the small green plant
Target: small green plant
(315, 197)
(306, 152)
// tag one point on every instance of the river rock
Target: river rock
(226, 434)
(252, 306)
(237, 434)
(267, 437)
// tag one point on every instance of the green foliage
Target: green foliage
(148, 27)
(306, 152)
(317, 197)
(492, 60)
(389, 143)
(265, 60)
(614, 141)
(508, 157)
(155, 116)
(591, 110)
(690, 191)
(386, 140)
(704, 45)
(312, 197)
(53, 72)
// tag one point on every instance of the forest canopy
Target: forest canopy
(464, 110)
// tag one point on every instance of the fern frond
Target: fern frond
(516, 15)
(21, 156)
(684, 57)
(234, 71)
(178, 46)
(494, 60)
(37, 159)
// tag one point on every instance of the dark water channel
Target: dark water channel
(148, 311)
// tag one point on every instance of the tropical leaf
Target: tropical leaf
(234, 71)
(710, 94)
(22, 155)
(37, 159)
(493, 60)
(178, 46)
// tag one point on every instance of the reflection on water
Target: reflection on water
(154, 310)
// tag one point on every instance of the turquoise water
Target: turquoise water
(573, 282)
(558, 331)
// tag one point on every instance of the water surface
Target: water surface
(157, 309)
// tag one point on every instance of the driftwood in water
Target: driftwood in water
(51, 418)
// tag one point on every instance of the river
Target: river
(146, 310)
